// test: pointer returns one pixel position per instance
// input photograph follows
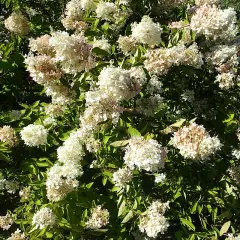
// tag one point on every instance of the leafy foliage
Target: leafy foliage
(203, 196)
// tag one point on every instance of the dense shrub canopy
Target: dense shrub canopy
(119, 119)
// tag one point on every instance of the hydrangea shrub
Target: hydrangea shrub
(124, 123)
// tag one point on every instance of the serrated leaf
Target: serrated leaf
(128, 217)
(225, 228)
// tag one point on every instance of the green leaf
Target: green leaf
(187, 223)
(134, 132)
(97, 232)
(49, 235)
(4, 157)
(193, 120)
(100, 52)
(225, 228)
(179, 123)
(128, 217)
(120, 143)
(104, 181)
(230, 118)
(121, 208)
(226, 214)
(194, 207)
(214, 214)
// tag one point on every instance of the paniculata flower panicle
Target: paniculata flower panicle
(34, 135)
(144, 154)
(44, 218)
(154, 222)
(147, 32)
(17, 23)
(99, 218)
(6, 221)
(122, 177)
(214, 23)
(194, 142)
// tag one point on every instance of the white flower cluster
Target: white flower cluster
(122, 177)
(34, 135)
(194, 142)
(17, 235)
(115, 84)
(41, 45)
(61, 95)
(88, 5)
(102, 44)
(25, 193)
(54, 110)
(214, 23)
(112, 12)
(44, 218)
(50, 121)
(92, 144)
(160, 178)
(7, 135)
(99, 218)
(232, 237)
(147, 32)
(159, 61)
(188, 95)
(101, 108)
(223, 54)
(121, 84)
(225, 80)
(127, 44)
(61, 179)
(106, 10)
(74, 14)
(236, 153)
(43, 69)
(154, 85)
(144, 154)
(14, 114)
(238, 134)
(6, 221)
(208, 2)
(225, 59)
(148, 105)
(9, 185)
(154, 222)
(72, 51)
(72, 150)
(180, 24)
(58, 187)
(17, 23)
(235, 174)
